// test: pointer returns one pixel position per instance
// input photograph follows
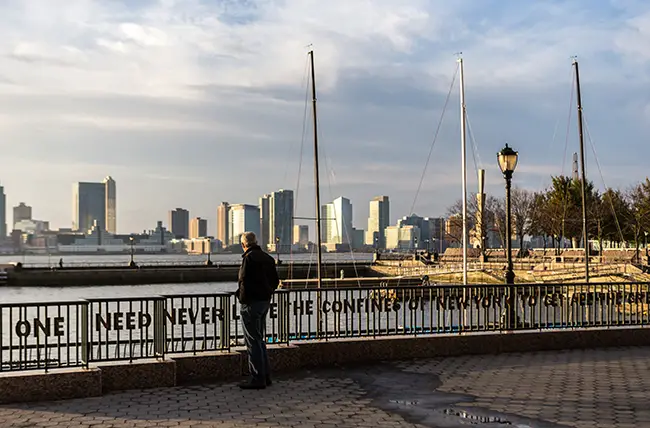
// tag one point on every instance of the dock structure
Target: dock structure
(387, 281)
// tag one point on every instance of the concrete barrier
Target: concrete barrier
(215, 366)
(164, 274)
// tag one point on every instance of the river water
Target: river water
(44, 294)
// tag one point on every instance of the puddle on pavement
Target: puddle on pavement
(407, 403)
(415, 397)
(475, 418)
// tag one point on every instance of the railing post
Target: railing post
(283, 316)
(159, 327)
(85, 345)
(225, 322)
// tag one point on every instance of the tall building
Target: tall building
(88, 206)
(243, 218)
(22, 212)
(198, 228)
(403, 237)
(179, 223)
(223, 222)
(280, 220)
(3, 213)
(301, 235)
(378, 221)
(337, 221)
(438, 243)
(111, 205)
(263, 239)
(94, 202)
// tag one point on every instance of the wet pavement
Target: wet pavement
(585, 388)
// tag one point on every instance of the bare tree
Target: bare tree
(522, 206)
(482, 224)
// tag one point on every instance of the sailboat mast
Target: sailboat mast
(582, 172)
(316, 173)
(464, 165)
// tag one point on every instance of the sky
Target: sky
(190, 103)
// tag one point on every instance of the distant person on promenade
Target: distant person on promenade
(61, 263)
(258, 279)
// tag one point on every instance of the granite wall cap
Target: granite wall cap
(54, 385)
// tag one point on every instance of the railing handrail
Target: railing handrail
(42, 303)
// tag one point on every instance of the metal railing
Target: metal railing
(126, 328)
(78, 333)
(43, 335)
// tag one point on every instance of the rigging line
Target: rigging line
(568, 124)
(328, 171)
(435, 138)
(566, 145)
(305, 76)
(557, 124)
(345, 232)
(475, 153)
(304, 130)
(542, 176)
(602, 177)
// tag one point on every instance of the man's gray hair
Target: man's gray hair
(248, 239)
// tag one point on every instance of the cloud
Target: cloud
(190, 103)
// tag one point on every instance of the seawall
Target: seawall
(78, 276)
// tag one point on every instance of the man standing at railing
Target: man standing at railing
(258, 279)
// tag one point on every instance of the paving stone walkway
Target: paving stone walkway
(586, 388)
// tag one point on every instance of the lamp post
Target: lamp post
(209, 261)
(277, 248)
(507, 159)
(131, 242)
(645, 243)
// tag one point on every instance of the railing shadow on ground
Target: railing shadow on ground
(44, 336)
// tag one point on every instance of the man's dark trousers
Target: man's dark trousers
(254, 322)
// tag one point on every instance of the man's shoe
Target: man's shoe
(269, 382)
(252, 385)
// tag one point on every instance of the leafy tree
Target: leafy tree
(615, 212)
(638, 198)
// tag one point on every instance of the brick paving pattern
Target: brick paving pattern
(585, 388)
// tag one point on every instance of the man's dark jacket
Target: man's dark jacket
(258, 277)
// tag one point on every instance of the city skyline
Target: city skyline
(382, 83)
(179, 222)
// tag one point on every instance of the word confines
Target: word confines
(142, 320)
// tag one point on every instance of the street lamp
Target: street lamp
(131, 242)
(507, 159)
(209, 262)
(277, 248)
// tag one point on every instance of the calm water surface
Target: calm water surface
(44, 294)
(41, 294)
